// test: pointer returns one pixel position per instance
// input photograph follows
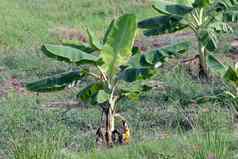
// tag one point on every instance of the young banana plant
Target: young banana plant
(232, 76)
(206, 18)
(116, 67)
(229, 73)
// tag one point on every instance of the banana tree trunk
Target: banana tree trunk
(204, 72)
(109, 125)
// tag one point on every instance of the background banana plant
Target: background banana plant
(117, 67)
(228, 73)
(206, 18)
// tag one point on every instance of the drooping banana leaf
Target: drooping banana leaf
(162, 24)
(89, 93)
(151, 58)
(177, 48)
(228, 73)
(93, 41)
(169, 8)
(69, 54)
(134, 89)
(202, 3)
(164, 30)
(137, 61)
(79, 45)
(209, 39)
(231, 76)
(133, 74)
(185, 2)
(155, 22)
(55, 82)
(225, 5)
(108, 31)
(215, 65)
(141, 66)
(229, 9)
(159, 55)
(102, 97)
(221, 27)
(231, 16)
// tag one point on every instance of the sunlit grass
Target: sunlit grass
(26, 23)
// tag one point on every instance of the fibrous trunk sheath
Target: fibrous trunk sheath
(109, 126)
(204, 72)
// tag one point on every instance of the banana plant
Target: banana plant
(206, 18)
(228, 73)
(114, 65)
(231, 75)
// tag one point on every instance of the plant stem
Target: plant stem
(201, 16)
(103, 73)
(195, 18)
(198, 15)
(93, 75)
(110, 115)
(109, 125)
(203, 60)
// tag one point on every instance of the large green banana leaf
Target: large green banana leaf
(225, 5)
(169, 8)
(79, 45)
(55, 82)
(209, 39)
(89, 93)
(138, 60)
(215, 65)
(231, 16)
(93, 41)
(134, 90)
(162, 24)
(133, 74)
(220, 27)
(108, 31)
(229, 9)
(102, 97)
(117, 49)
(141, 66)
(159, 55)
(69, 54)
(208, 35)
(151, 58)
(232, 76)
(185, 2)
(159, 22)
(202, 3)
(228, 73)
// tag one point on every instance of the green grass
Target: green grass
(192, 146)
(28, 23)
(25, 123)
(160, 121)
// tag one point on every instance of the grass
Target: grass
(28, 23)
(165, 124)
(158, 129)
(192, 146)
(38, 145)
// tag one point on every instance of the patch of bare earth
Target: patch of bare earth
(143, 43)
(147, 43)
(11, 84)
(66, 33)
